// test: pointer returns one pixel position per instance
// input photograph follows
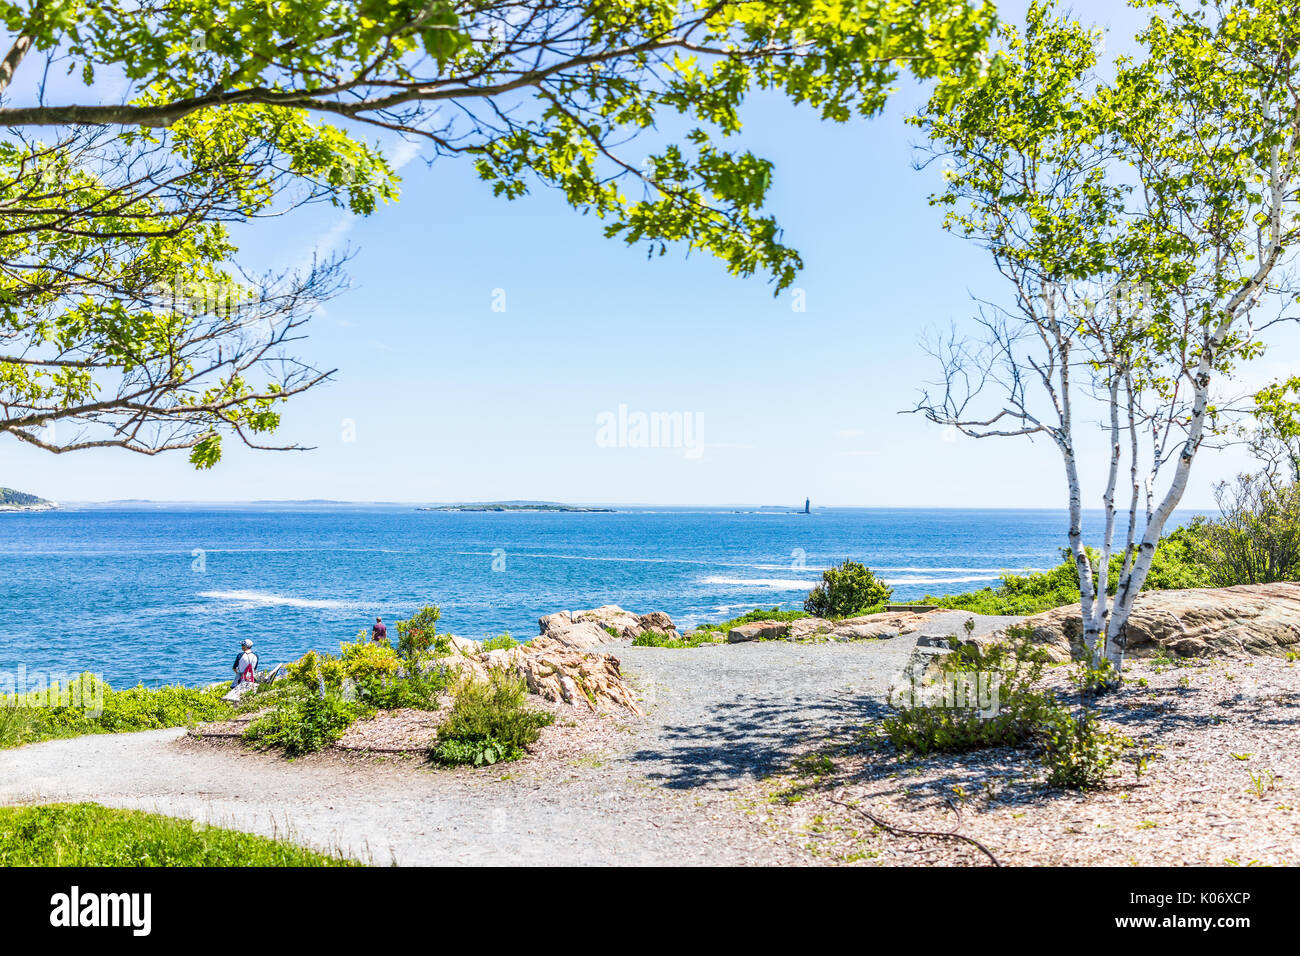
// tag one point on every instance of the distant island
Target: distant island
(515, 506)
(11, 500)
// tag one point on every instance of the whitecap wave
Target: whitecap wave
(279, 600)
(773, 584)
(964, 579)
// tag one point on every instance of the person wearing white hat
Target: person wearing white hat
(245, 664)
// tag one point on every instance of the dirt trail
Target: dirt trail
(719, 717)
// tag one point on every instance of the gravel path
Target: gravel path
(718, 718)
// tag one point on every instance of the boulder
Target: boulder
(609, 617)
(806, 627)
(885, 625)
(1250, 619)
(859, 628)
(558, 619)
(555, 671)
(657, 621)
(579, 635)
(626, 623)
(759, 630)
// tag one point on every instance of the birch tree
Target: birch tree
(1144, 221)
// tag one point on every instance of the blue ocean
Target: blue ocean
(163, 594)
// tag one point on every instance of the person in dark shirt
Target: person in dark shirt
(379, 632)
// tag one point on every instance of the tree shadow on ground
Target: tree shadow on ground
(747, 739)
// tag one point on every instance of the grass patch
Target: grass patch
(660, 639)
(502, 642)
(86, 834)
(30, 718)
(489, 722)
(749, 617)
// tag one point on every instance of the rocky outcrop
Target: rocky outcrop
(886, 625)
(579, 628)
(1250, 619)
(553, 670)
(578, 635)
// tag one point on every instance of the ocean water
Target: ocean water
(164, 594)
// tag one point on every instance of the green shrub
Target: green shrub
(135, 708)
(418, 690)
(502, 642)
(1178, 563)
(380, 677)
(473, 751)
(846, 590)
(660, 639)
(1022, 709)
(1079, 752)
(489, 719)
(1256, 538)
(86, 834)
(419, 634)
(305, 723)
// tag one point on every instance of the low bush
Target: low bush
(846, 590)
(1077, 750)
(489, 722)
(660, 639)
(1178, 563)
(377, 676)
(86, 834)
(305, 722)
(31, 717)
(1008, 675)
(749, 617)
(502, 642)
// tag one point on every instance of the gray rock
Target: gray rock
(580, 634)
(759, 630)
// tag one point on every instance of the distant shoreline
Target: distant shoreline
(527, 508)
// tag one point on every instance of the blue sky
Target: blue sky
(438, 397)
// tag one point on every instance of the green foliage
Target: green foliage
(846, 590)
(660, 639)
(958, 725)
(473, 751)
(231, 111)
(86, 834)
(1178, 563)
(1079, 752)
(718, 631)
(419, 634)
(489, 722)
(136, 708)
(502, 642)
(378, 675)
(305, 723)
(323, 695)
(1256, 538)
